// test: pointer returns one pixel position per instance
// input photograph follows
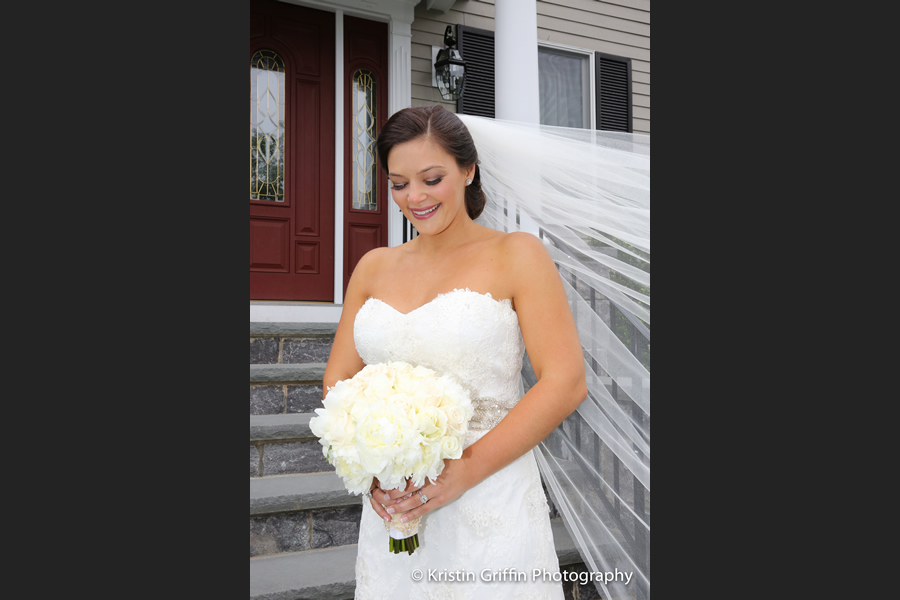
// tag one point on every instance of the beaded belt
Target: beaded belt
(488, 412)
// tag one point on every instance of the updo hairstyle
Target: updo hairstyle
(444, 128)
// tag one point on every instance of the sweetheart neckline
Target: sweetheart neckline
(503, 302)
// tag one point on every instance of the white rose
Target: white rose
(457, 419)
(432, 423)
(450, 447)
(401, 401)
(420, 373)
(429, 392)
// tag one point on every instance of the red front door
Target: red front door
(366, 202)
(291, 152)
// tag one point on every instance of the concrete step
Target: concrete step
(331, 573)
(328, 574)
(294, 373)
(270, 495)
(284, 445)
(280, 427)
(302, 330)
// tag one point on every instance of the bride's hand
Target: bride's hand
(449, 485)
(381, 498)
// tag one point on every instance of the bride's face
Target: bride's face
(427, 185)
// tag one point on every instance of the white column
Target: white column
(399, 97)
(516, 91)
(516, 88)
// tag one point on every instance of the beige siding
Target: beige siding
(618, 27)
(627, 10)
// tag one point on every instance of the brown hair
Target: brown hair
(446, 129)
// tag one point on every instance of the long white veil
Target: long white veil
(587, 195)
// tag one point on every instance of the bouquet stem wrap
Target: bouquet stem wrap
(404, 536)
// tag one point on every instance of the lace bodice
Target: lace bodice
(464, 334)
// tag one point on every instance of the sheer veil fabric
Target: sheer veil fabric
(586, 194)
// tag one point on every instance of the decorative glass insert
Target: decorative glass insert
(364, 174)
(267, 127)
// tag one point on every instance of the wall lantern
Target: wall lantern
(450, 68)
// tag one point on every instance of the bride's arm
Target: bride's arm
(554, 349)
(556, 355)
(344, 361)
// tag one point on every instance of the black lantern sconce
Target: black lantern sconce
(450, 68)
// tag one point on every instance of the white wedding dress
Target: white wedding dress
(503, 522)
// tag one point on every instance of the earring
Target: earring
(468, 182)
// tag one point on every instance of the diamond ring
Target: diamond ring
(424, 497)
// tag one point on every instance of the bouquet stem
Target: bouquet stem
(404, 537)
(407, 545)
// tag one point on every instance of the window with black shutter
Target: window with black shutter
(613, 76)
(477, 49)
(612, 80)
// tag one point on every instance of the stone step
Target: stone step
(287, 458)
(302, 512)
(298, 531)
(331, 573)
(294, 373)
(284, 445)
(289, 350)
(283, 398)
(291, 343)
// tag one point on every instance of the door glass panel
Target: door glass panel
(364, 174)
(267, 127)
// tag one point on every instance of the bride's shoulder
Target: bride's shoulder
(505, 243)
(375, 261)
(525, 263)
(521, 247)
(370, 265)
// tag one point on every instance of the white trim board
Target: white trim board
(294, 312)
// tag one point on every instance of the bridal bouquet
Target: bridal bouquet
(395, 422)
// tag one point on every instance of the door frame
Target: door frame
(399, 15)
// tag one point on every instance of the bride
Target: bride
(467, 301)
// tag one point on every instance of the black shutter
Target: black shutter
(613, 92)
(477, 49)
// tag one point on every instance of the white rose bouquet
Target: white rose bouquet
(395, 422)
